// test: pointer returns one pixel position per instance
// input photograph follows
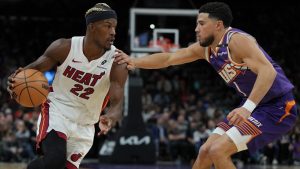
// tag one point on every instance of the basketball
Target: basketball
(30, 88)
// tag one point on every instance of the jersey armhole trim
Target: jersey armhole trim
(229, 35)
(58, 67)
(207, 53)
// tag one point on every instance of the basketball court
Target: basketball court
(161, 166)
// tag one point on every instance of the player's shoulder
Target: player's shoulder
(241, 45)
(62, 43)
(197, 50)
(59, 49)
(239, 35)
(118, 68)
(119, 72)
(238, 39)
(123, 66)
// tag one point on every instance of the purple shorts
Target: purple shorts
(268, 122)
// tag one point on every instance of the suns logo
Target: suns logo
(230, 71)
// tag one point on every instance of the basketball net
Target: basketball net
(168, 47)
(164, 44)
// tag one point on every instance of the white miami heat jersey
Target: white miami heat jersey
(80, 87)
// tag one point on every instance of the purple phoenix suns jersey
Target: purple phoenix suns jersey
(239, 76)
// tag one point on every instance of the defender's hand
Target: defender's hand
(121, 57)
(238, 116)
(10, 81)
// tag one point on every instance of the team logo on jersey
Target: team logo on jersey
(228, 72)
(222, 53)
(76, 61)
(82, 77)
(254, 121)
(76, 157)
(101, 67)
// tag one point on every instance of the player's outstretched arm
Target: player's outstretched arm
(162, 60)
(118, 77)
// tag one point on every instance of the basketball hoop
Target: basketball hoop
(164, 45)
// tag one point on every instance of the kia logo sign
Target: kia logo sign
(135, 140)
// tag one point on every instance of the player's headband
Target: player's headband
(100, 15)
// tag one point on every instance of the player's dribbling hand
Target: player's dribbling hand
(238, 116)
(10, 81)
(121, 57)
(105, 124)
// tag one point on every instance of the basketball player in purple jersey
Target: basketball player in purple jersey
(267, 109)
(85, 78)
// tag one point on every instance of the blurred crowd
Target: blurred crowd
(181, 105)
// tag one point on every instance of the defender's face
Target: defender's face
(104, 33)
(205, 29)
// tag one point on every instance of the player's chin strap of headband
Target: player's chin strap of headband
(100, 16)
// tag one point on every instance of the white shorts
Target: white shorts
(79, 137)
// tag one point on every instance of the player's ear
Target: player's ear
(219, 24)
(91, 27)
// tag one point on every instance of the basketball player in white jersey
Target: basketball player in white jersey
(86, 77)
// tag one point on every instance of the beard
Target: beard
(104, 45)
(208, 41)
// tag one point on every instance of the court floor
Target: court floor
(110, 166)
(99, 166)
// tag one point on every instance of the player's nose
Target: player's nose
(113, 32)
(197, 29)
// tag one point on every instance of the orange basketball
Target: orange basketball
(30, 88)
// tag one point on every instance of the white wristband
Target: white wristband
(249, 105)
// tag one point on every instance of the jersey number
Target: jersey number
(82, 92)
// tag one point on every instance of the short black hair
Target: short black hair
(218, 10)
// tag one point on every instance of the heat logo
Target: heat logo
(76, 157)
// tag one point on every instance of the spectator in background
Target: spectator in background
(164, 84)
(296, 150)
(161, 99)
(146, 99)
(23, 138)
(211, 125)
(193, 137)
(270, 153)
(12, 151)
(161, 137)
(3, 126)
(176, 139)
(285, 152)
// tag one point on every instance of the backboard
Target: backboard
(156, 30)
